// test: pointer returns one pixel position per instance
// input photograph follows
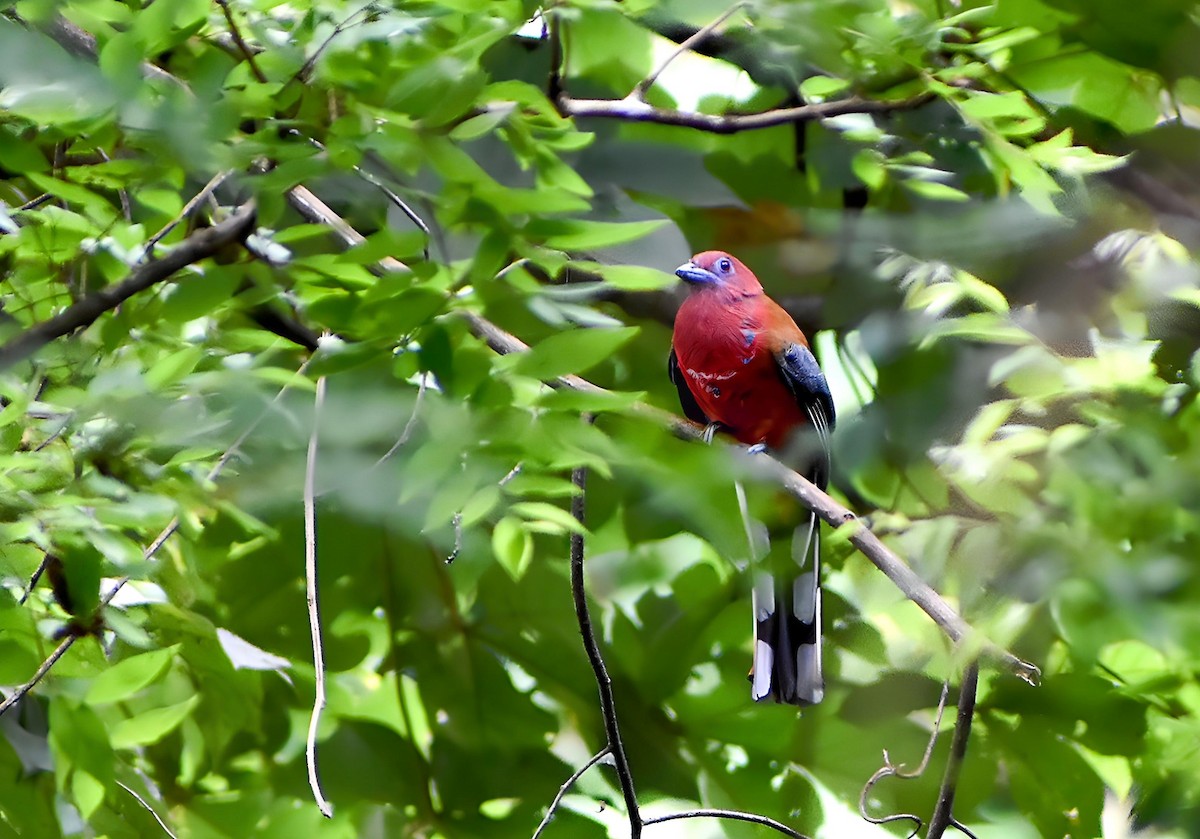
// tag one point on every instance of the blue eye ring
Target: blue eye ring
(724, 265)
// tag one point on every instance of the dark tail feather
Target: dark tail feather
(787, 625)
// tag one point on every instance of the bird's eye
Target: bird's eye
(724, 265)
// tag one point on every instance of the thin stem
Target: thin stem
(314, 606)
(148, 809)
(608, 707)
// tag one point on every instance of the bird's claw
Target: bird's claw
(757, 448)
(709, 432)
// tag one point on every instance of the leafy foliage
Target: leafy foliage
(995, 259)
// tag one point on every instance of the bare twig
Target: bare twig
(148, 553)
(236, 33)
(201, 244)
(148, 809)
(314, 606)
(608, 708)
(567, 784)
(803, 490)
(634, 110)
(188, 208)
(639, 92)
(34, 203)
(736, 815)
(890, 769)
(943, 813)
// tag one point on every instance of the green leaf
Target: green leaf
(572, 235)
(935, 191)
(125, 678)
(573, 351)
(512, 546)
(822, 87)
(151, 726)
(553, 519)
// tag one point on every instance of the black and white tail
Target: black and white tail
(787, 624)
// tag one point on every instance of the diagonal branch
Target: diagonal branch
(639, 92)
(803, 490)
(199, 245)
(567, 784)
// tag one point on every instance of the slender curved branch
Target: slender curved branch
(943, 813)
(632, 109)
(201, 244)
(608, 706)
(735, 815)
(567, 784)
(803, 490)
(897, 770)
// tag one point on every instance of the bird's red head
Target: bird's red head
(718, 271)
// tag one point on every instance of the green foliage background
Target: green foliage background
(1001, 284)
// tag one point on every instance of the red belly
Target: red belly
(751, 398)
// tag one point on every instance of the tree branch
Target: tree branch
(803, 490)
(632, 109)
(608, 707)
(943, 813)
(201, 244)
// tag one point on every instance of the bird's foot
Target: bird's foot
(709, 432)
(757, 448)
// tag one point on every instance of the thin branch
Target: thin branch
(47, 558)
(245, 50)
(387, 191)
(201, 244)
(943, 813)
(567, 784)
(301, 75)
(890, 769)
(639, 92)
(148, 809)
(803, 490)
(188, 208)
(408, 426)
(314, 606)
(736, 815)
(147, 554)
(316, 211)
(608, 708)
(631, 109)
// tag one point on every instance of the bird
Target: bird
(742, 366)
